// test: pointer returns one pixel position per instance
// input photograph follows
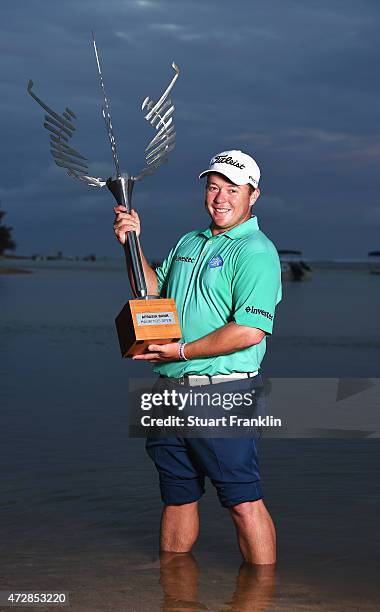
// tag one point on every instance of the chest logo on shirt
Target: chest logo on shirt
(215, 262)
(185, 259)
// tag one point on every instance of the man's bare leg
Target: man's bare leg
(255, 531)
(179, 527)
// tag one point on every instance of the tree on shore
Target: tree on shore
(6, 242)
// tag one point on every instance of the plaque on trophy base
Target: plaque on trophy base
(145, 322)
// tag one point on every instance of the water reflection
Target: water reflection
(255, 586)
(179, 579)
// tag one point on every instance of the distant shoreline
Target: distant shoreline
(15, 271)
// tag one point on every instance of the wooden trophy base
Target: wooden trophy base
(144, 322)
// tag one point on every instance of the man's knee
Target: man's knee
(181, 509)
(247, 511)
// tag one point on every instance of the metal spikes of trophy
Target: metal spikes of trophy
(146, 319)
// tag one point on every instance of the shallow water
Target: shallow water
(79, 502)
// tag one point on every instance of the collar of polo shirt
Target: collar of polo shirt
(243, 229)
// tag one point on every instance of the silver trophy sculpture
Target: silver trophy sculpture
(160, 116)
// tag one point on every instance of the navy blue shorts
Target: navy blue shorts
(230, 463)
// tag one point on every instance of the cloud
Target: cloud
(180, 32)
(295, 83)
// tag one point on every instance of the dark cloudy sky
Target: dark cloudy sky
(294, 83)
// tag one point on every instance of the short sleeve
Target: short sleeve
(256, 289)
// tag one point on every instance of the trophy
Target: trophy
(145, 319)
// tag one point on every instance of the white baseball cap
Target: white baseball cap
(237, 166)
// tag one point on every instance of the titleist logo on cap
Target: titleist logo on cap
(236, 166)
(224, 159)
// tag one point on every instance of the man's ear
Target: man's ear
(254, 195)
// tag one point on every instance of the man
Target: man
(226, 283)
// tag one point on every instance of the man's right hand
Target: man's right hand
(125, 222)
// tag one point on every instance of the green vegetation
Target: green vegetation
(6, 242)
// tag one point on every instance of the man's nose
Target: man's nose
(220, 197)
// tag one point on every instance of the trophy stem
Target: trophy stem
(121, 188)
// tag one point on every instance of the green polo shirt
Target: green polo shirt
(233, 276)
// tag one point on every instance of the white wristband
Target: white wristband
(181, 351)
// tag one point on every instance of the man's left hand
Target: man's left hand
(159, 353)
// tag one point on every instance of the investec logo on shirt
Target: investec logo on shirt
(185, 259)
(254, 310)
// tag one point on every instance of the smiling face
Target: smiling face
(228, 204)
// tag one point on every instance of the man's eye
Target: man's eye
(233, 191)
